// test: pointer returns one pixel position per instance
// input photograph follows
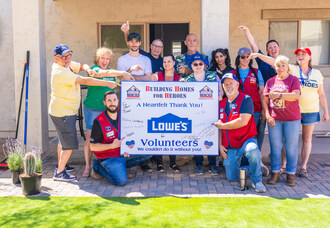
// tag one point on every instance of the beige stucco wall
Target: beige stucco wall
(7, 84)
(74, 22)
(248, 13)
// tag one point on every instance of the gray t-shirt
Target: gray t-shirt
(126, 61)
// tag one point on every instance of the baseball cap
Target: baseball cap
(61, 49)
(243, 50)
(228, 75)
(304, 49)
(197, 57)
(134, 35)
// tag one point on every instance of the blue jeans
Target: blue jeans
(289, 130)
(114, 169)
(251, 152)
(90, 115)
(199, 160)
(260, 136)
(261, 125)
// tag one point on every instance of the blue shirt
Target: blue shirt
(267, 70)
(244, 73)
(156, 64)
(246, 106)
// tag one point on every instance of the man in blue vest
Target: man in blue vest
(237, 136)
(106, 142)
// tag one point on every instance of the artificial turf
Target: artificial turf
(163, 212)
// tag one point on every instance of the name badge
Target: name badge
(110, 133)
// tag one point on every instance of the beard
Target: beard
(113, 110)
(135, 49)
(229, 92)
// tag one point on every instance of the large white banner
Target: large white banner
(169, 118)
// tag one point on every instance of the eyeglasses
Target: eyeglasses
(156, 46)
(65, 57)
(196, 64)
(243, 56)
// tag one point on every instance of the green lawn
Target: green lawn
(19, 212)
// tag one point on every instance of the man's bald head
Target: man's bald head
(192, 42)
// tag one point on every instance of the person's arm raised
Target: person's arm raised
(249, 37)
(125, 29)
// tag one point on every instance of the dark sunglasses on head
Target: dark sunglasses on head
(243, 56)
(196, 64)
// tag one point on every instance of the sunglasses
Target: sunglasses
(196, 64)
(243, 57)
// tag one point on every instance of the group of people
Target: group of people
(281, 94)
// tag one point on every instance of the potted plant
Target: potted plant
(15, 153)
(30, 179)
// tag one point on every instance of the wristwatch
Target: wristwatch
(281, 95)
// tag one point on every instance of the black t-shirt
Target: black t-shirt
(227, 69)
(246, 106)
(97, 136)
(156, 64)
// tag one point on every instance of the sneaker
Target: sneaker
(214, 171)
(67, 168)
(175, 168)
(199, 170)
(259, 187)
(160, 168)
(264, 170)
(64, 176)
(146, 168)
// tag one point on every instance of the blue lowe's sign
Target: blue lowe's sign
(169, 123)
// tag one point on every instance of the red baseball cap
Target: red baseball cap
(304, 49)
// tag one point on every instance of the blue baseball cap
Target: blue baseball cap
(61, 49)
(228, 75)
(243, 50)
(197, 57)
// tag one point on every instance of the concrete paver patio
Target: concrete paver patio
(184, 184)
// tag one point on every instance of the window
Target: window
(314, 34)
(112, 37)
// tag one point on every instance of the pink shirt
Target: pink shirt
(280, 109)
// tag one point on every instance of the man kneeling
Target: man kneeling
(105, 143)
(238, 133)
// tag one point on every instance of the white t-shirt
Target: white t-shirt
(309, 98)
(126, 61)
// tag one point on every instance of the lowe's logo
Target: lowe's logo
(169, 123)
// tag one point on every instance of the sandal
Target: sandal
(303, 173)
(86, 173)
(283, 170)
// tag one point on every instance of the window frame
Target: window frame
(144, 41)
(299, 33)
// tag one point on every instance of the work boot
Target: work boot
(273, 179)
(290, 180)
